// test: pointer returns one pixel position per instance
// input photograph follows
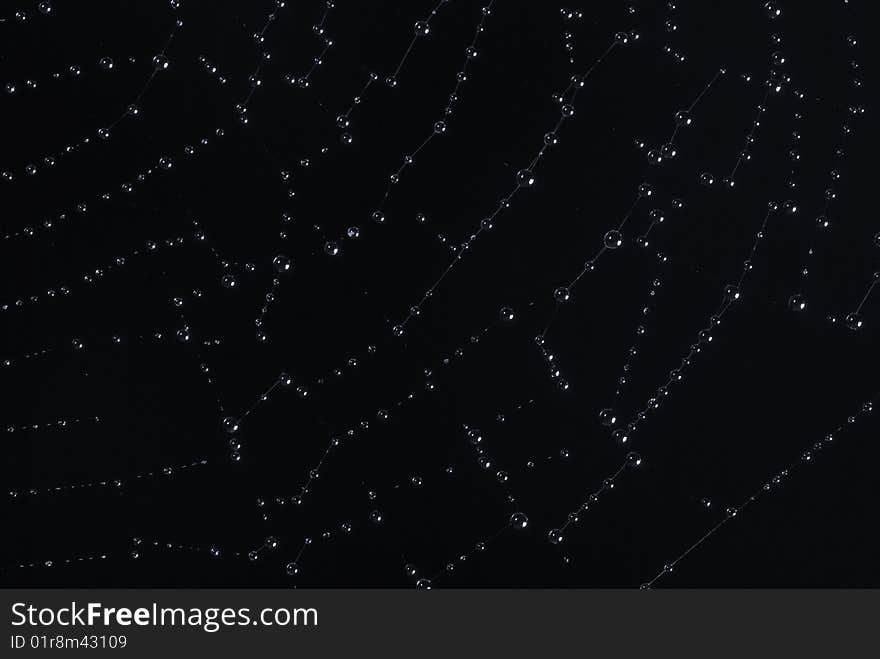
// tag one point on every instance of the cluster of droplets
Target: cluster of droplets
(670, 25)
(313, 474)
(303, 390)
(72, 72)
(94, 276)
(112, 483)
(269, 544)
(211, 69)
(731, 296)
(634, 350)
(141, 545)
(683, 119)
(427, 385)
(569, 16)
(52, 562)
(177, 336)
(524, 179)
(440, 126)
(773, 484)
(333, 246)
(158, 64)
(557, 535)
(21, 17)
(487, 464)
(421, 30)
(822, 224)
(254, 79)
(281, 265)
(775, 83)
(798, 301)
(305, 80)
(184, 335)
(612, 240)
(518, 522)
(165, 165)
(58, 424)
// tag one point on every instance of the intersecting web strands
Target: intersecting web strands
(438, 294)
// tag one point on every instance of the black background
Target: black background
(771, 383)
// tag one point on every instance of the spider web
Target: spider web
(436, 294)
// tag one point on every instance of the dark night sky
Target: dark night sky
(149, 340)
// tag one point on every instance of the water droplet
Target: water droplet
(519, 521)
